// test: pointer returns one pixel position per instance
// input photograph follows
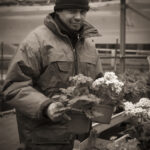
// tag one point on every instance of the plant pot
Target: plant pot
(79, 123)
(102, 113)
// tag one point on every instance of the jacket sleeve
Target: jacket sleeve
(19, 88)
(99, 67)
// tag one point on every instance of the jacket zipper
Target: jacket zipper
(76, 70)
(76, 57)
(75, 61)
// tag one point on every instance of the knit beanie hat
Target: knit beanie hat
(71, 4)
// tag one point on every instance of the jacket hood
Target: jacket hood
(88, 29)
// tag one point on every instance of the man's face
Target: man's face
(73, 18)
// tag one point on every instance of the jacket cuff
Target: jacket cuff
(42, 113)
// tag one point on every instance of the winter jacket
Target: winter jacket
(43, 63)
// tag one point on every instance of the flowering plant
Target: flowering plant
(135, 85)
(77, 95)
(139, 110)
(85, 94)
(109, 89)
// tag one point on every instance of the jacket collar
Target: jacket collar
(87, 31)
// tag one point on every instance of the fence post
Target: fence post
(113, 54)
(116, 49)
(114, 57)
(148, 59)
(1, 73)
(1, 62)
(122, 33)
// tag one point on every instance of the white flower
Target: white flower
(143, 102)
(98, 82)
(148, 113)
(129, 106)
(109, 80)
(117, 86)
(110, 76)
(80, 79)
(139, 110)
(132, 110)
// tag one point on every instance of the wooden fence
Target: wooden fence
(134, 59)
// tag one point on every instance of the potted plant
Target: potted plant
(77, 96)
(109, 90)
(140, 114)
(135, 85)
(94, 99)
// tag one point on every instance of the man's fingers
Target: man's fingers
(61, 116)
(63, 110)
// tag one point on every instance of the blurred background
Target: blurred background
(124, 44)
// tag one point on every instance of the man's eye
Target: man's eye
(72, 10)
(83, 12)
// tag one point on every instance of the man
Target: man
(50, 54)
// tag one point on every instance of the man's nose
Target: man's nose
(78, 16)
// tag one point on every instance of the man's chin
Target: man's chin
(75, 28)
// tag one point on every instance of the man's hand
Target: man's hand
(57, 112)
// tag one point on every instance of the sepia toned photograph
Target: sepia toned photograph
(74, 75)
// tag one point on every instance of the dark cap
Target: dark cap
(71, 4)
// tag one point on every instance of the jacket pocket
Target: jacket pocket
(64, 66)
(51, 135)
(55, 75)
